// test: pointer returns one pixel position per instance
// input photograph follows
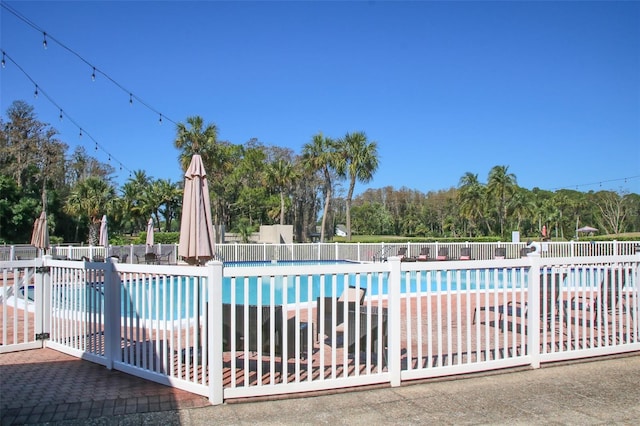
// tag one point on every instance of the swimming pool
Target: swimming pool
(173, 298)
(259, 263)
(152, 299)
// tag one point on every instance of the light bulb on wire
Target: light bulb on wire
(80, 135)
(93, 75)
(44, 40)
(35, 94)
(160, 120)
(130, 99)
(60, 114)
(4, 63)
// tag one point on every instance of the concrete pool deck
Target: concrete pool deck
(43, 386)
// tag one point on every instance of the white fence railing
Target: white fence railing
(244, 331)
(360, 252)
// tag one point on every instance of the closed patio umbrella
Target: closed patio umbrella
(40, 235)
(196, 227)
(149, 242)
(104, 235)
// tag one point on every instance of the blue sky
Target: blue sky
(550, 89)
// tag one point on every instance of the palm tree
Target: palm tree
(90, 199)
(320, 155)
(281, 175)
(500, 186)
(358, 160)
(470, 197)
(135, 211)
(197, 139)
(522, 206)
(170, 196)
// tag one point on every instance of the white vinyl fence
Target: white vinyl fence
(245, 331)
(360, 252)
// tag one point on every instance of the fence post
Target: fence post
(533, 308)
(394, 319)
(214, 329)
(112, 309)
(42, 296)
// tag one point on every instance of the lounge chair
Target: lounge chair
(402, 253)
(357, 319)
(548, 305)
(424, 254)
(151, 259)
(269, 338)
(604, 302)
(524, 251)
(465, 253)
(443, 253)
(350, 297)
(500, 253)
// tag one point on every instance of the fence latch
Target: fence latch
(43, 269)
(42, 336)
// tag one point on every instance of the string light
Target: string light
(44, 40)
(35, 94)
(47, 36)
(93, 75)
(4, 63)
(39, 90)
(160, 120)
(600, 183)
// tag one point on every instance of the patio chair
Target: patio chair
(603, 303)
(443, 253)
(151, 259)
(465, 253)
(350, 297)
(423, 256)
(402, 253)
(548, 305)
(263, 330)
(500, 253)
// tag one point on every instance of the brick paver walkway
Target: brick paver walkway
(44, 385)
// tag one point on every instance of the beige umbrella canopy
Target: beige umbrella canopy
(196, 227)
(149, 241)
(104, 235)
(40, 236)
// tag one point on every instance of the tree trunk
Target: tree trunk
(281, 208)
(324, 214)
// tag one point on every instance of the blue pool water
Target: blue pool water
(304, 288)
(141, 297)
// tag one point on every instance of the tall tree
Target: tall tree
(470, 199)
(320, 155)
(196, 139)
(500, 186)
(358, 161)
(613, 210)
(90, 199)
(280, 174)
